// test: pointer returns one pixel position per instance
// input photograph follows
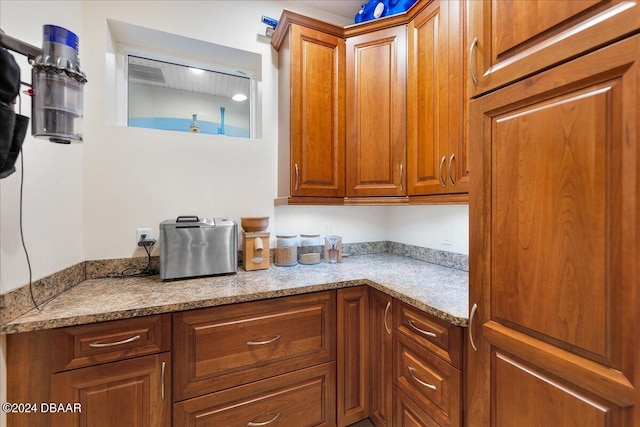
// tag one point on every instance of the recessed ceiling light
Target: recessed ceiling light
(239, 97)
(196, 70)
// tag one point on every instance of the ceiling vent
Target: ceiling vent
(146, 73)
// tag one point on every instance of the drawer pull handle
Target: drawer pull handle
(427, 385)
(252, 424)
(297, 177)
(422, 331)
(111, 344)
(164, 365)
(386, 310)
(277, 337)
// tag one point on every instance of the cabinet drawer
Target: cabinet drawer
(428, 380)
(87, 345)
(301, 398)
(222, 347)
(442, 338)
(407, 413)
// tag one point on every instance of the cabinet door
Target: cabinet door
(554, 246)
(512, 39)
(134, 392)
(380, 358)
(427, 98)
(353, 355)
(317, 113)
(436, 141)
(376, 113)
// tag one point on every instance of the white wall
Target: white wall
(424, 226)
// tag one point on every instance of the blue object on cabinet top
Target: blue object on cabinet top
(375, 9)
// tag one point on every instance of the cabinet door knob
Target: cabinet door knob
(386, 310)
(277, 337)
(473, 313)
(442, 180)
(111, 344)
(254, 424)
(472, 71)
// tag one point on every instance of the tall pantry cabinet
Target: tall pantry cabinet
(554, 214)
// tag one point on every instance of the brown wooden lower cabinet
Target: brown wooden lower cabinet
(132, 393)
(428, 380)
(380, 358)
(121, 374)
(329, 358)
(301, 398)
(353, 355)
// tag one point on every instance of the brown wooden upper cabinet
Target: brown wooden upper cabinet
(376, 113)
(512, 39)
(436, 140)
(311, 114)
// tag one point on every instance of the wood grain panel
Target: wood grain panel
(302, 398)
(317, 113)
(376, 113)
(87, 345)
(407, 413)
(518, 23)
(427, 99)
(132, 393)
(551, 217)
(353, 355)
(220, 347)
(525, 395)
(380, 358)
(516, 39)
(555, 245)
(428, 380)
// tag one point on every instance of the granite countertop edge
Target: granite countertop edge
(437, 290)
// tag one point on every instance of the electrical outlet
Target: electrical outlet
(447, 238)
(148, 232)
(326, 229)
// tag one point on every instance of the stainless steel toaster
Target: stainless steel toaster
(191, 246)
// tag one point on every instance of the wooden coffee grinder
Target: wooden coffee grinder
(255, 250)
(255, 243)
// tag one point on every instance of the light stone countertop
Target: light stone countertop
(438, 290)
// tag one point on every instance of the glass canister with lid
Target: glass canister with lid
(310, 248)
(286, 252)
